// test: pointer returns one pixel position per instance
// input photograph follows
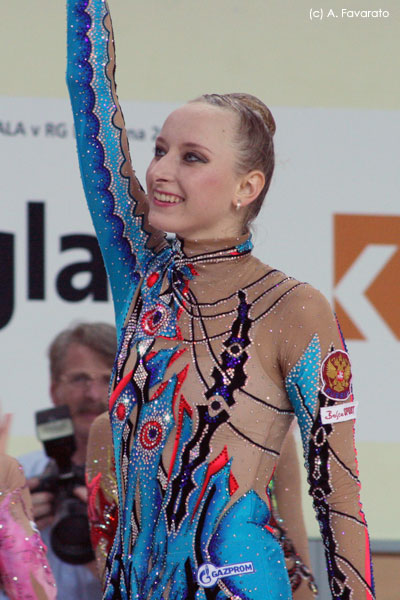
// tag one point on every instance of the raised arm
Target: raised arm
(318, 383)
(115, 198)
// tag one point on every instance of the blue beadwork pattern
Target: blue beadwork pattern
(302, 385)
(102, 157)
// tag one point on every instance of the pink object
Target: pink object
(24, 570)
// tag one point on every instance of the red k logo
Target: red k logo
(367, 276)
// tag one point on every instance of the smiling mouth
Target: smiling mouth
(166, 198)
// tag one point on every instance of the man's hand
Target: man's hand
(81, 492)
(42, 503)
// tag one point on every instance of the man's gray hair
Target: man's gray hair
(99, 337)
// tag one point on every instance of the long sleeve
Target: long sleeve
(115, 198)
(318, 381)
(288, 520)
(24, 570)
(102, 490)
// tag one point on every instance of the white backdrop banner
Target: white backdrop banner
(332, 218)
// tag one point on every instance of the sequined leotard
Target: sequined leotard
(24, 571)
(217, 354)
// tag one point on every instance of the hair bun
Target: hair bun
(254, 104)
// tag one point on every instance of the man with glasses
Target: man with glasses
(81, 360)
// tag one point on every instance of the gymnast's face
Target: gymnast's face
(192, 182)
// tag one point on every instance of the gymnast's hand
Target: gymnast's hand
(5, 424)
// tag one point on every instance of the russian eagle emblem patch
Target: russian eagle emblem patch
(336, 375)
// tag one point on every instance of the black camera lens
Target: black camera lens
(70, 538)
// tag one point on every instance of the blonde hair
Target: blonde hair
(254, 139)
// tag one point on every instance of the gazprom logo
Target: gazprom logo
(208, 574)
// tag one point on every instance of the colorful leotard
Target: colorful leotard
(217, 354)
(24, 571)
(284, 489)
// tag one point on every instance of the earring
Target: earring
(238, 205)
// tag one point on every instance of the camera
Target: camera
(69, 537)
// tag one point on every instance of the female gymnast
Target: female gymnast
(24, 571)
(218, 353)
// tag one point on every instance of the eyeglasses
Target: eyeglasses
(82, 381)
